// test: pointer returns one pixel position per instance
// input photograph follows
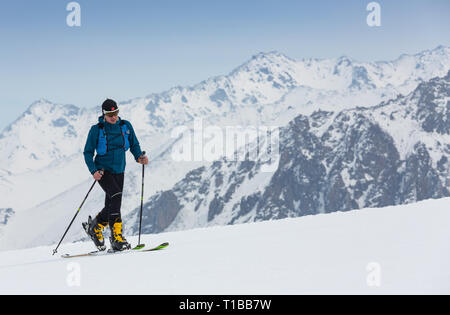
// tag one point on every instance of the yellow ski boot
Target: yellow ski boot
(118, 242)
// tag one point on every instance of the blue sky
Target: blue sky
(127, 49)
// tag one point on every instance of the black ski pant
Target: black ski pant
(112, 184)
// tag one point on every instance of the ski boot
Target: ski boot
(118, 242)
(95, 232)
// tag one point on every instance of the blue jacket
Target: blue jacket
(114, 159)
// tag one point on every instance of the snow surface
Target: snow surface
(404, 248)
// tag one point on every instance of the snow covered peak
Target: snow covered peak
(46, 108)
(45, 132)
(270, 57)
(265, 67)
(440, 50)
(39, 103)
(43, 108)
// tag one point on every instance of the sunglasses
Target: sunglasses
(112, 114)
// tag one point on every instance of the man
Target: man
(110, 139)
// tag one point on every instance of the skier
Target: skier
(110, 138)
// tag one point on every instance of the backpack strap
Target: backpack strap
(102, 142)
(125, 134)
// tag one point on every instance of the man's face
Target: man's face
(112, 119)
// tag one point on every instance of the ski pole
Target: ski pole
(139, 246)
(76, 214)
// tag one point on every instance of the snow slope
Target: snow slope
(392, 250)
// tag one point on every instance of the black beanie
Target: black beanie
(109, 106)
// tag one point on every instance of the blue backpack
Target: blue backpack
(102, 144)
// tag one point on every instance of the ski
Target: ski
(161, 246)
(81, 255)
(110, 252)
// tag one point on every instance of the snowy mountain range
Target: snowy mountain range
(395, 153)
(325, 146)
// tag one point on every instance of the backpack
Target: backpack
(102, 144)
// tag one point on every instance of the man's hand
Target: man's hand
(98, 175)
(143, 160)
